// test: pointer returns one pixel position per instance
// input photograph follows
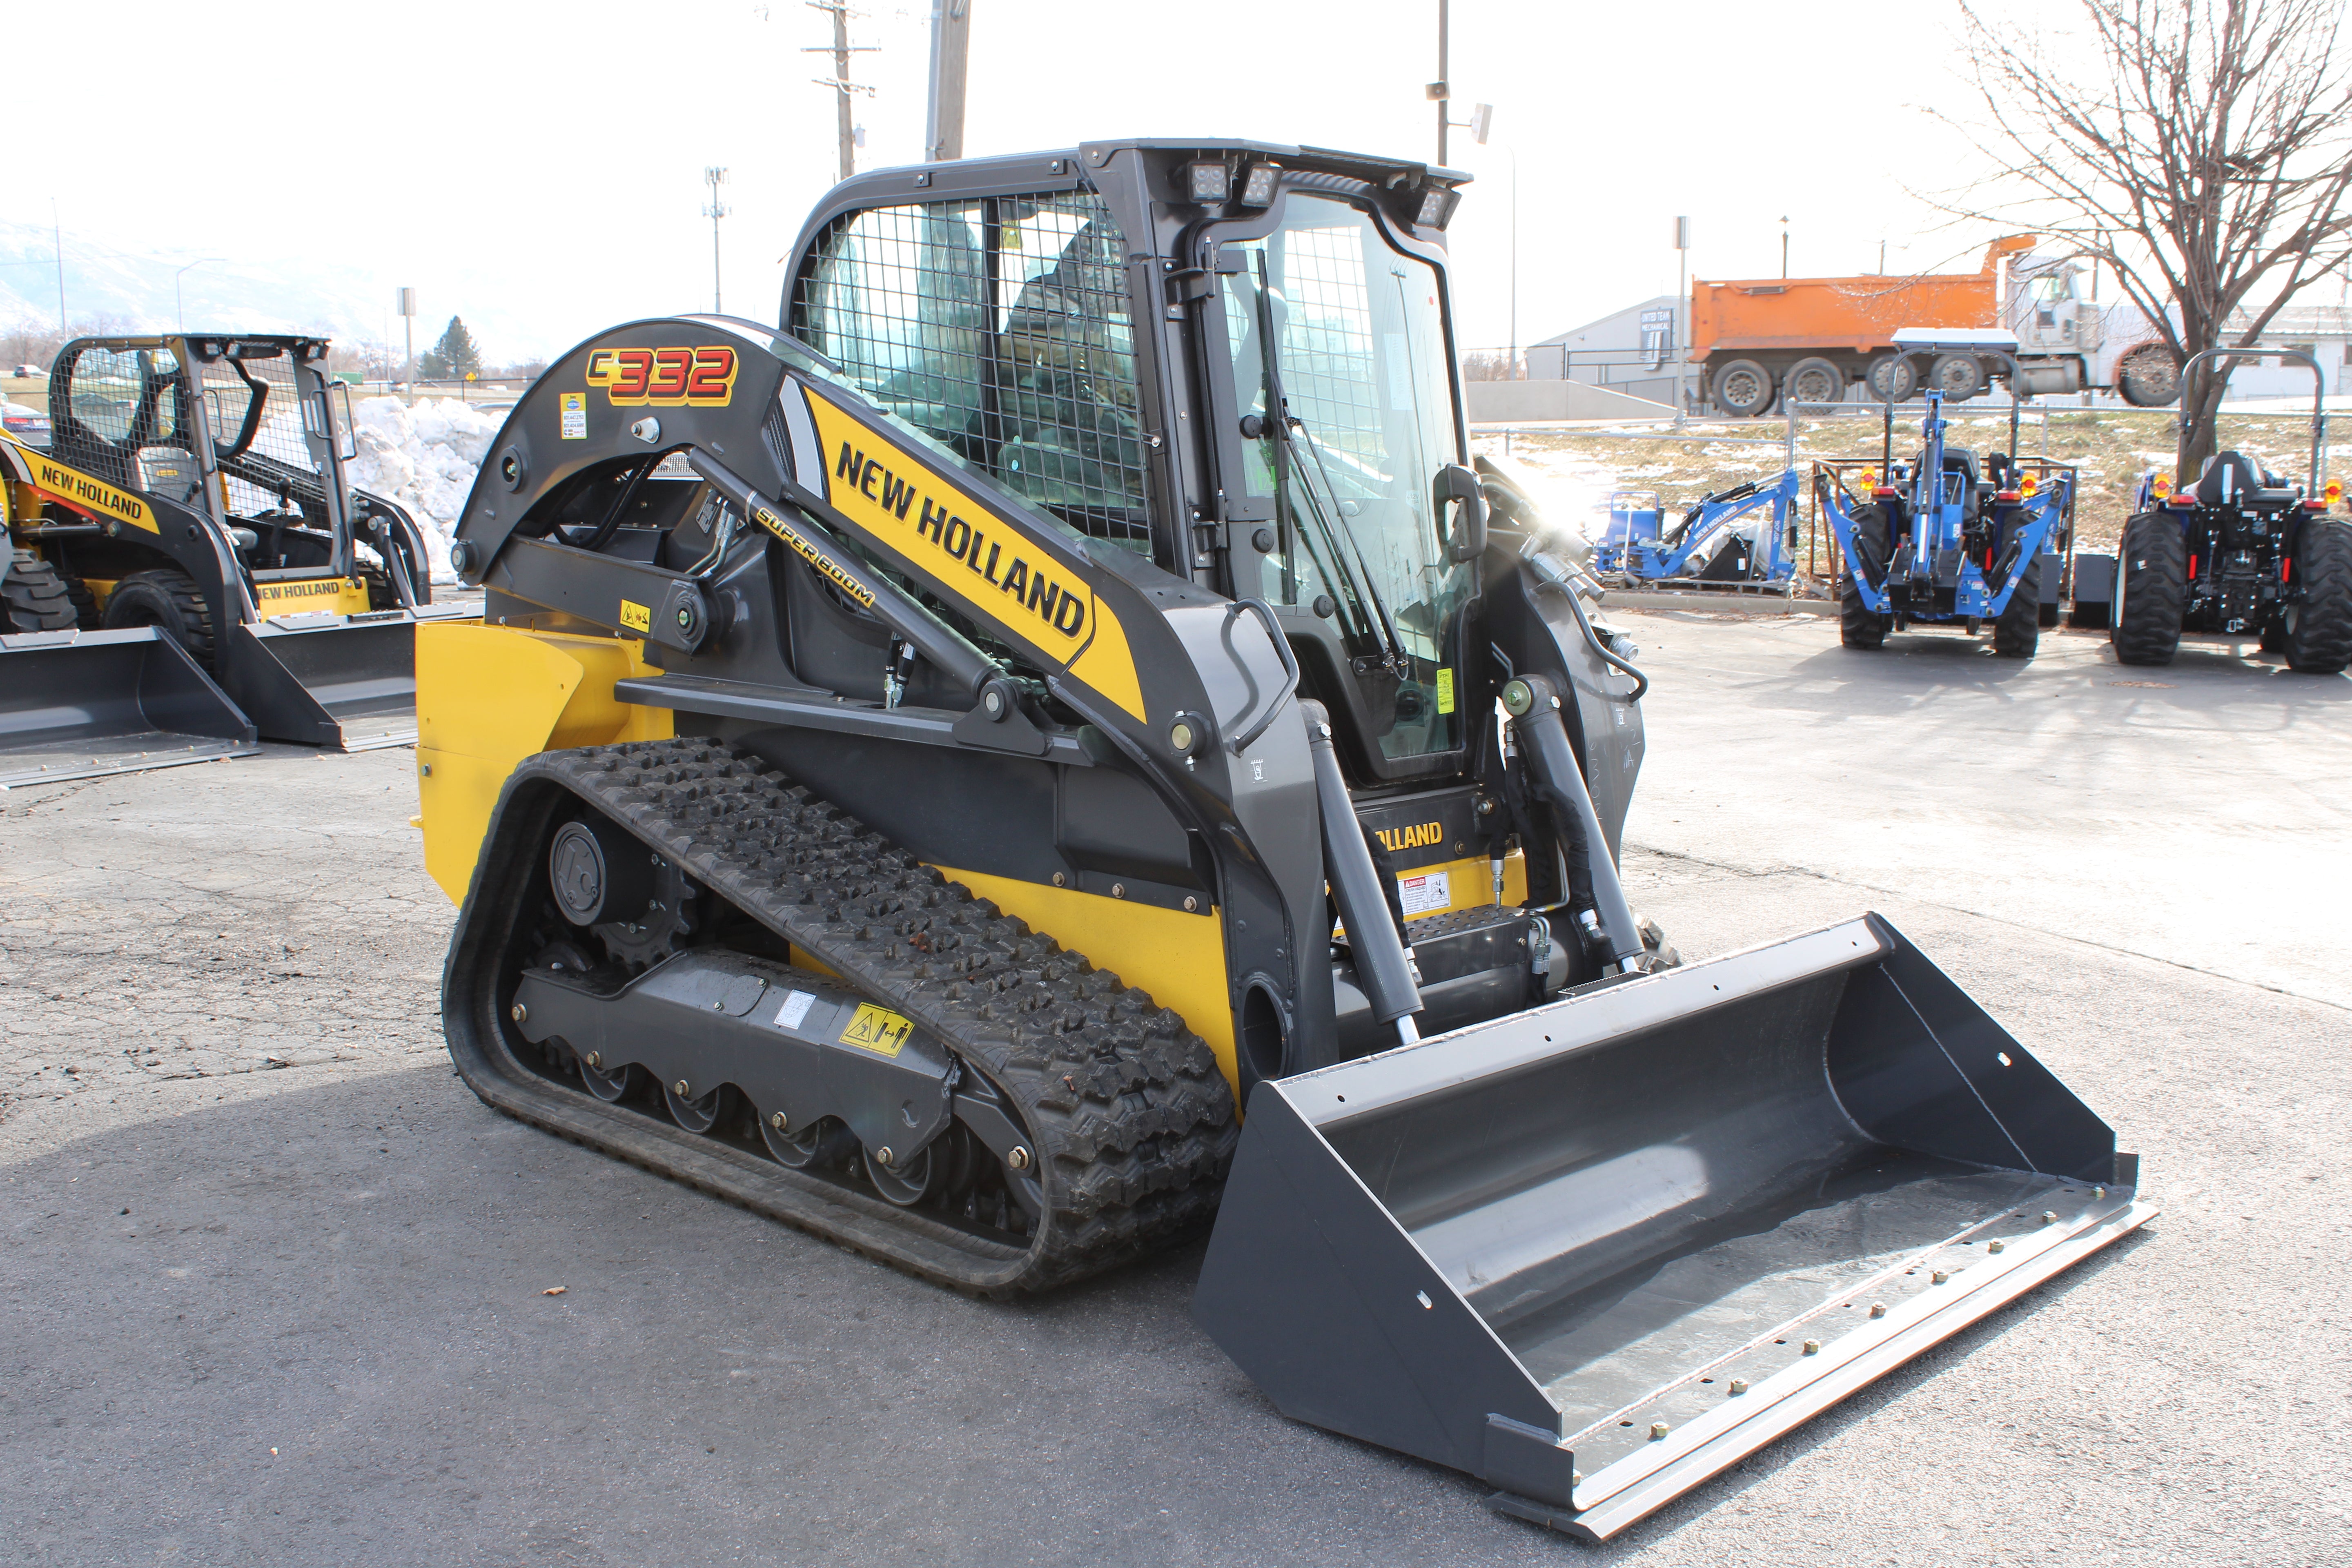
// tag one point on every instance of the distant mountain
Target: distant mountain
(112, 288)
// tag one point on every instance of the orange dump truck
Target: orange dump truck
(1754, 339)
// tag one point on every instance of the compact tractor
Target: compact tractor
(928, 764)
(2241, 554)
(1951, 538)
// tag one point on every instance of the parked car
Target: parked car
(29, 425)
(27, 371)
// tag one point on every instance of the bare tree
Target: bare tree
(2201, 148)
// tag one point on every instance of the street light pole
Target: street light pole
(714, 210)
(1682, 317)
(180, 305)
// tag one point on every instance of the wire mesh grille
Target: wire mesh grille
(1002, 329)
(275, 468)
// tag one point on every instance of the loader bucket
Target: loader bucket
(1596, 1252)
(344, 681)
(77, 704)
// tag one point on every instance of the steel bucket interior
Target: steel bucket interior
(1588, 1222)
(79, 704)
(351, 684)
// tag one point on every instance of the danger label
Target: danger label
(1427, 894)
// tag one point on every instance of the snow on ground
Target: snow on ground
(423, 455)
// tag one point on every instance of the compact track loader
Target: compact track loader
(194, 484)
(923, 770)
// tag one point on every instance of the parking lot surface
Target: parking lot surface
(272, 1284)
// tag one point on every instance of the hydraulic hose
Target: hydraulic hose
(1548, 571)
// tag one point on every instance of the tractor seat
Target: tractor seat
(1963, 462)
(2234, 479)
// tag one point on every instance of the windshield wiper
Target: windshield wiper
(1356, 578)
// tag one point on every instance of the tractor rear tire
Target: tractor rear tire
(1743, 388)
(2319, 625)
(2151, 590)
(2019, 629)
(33, 597)
(1859, 625)
(168, 600)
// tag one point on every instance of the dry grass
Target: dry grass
(2109, 450)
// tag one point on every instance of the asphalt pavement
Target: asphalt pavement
(274, 1286)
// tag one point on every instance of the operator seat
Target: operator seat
(2234, 479)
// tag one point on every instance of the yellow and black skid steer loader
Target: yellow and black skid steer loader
(196, 485)
(924, 769)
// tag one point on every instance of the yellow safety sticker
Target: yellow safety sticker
(575, 415)
(877, 1029)
(636, 616)
(1446, 691)
(306, 596)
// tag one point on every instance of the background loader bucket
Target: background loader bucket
(77, 704)
(348, 681)
(1596, 1252)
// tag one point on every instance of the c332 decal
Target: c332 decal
(665, 377)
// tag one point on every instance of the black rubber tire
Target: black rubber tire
(166, 598)
(1813, 380)
(1897, 371)
(34, 597)
(1957, 376)
(2019, 629)
(85, 604)
(2319, 623)
(1743, 388)
(2148, 376)
(1859, 625)
(2151, 590)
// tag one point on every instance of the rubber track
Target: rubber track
(2321, 643)
(1133, 1121)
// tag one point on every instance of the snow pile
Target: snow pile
(423, 455)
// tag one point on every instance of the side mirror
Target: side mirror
(1467, 539)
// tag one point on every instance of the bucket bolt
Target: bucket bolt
(882, 1155)
(2049, 1216)
(780, 1121)
(1018, 1158)
(1813, 1347)
(680, 1089)
(1738, 1385)
(1993, 1246)
(1938, 1277)
(1658, 1429)
(597, 1059)
(1878, 1309)
(519, 1012)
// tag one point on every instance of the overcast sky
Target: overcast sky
(539, 165)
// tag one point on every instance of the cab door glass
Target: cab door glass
(1361, 357)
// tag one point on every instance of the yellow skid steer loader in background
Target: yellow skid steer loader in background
(925, 768)
(196, 565)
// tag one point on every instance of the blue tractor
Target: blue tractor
(1950, 538)
(1730, 537)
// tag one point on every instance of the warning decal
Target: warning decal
(1426, 894)
(877, 1029)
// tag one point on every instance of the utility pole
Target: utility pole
(1681, 315)
(843, 88)
(58, 234)
(406, 299)
(950, 53)
(1440, 91)
(714, 209)
(1784, 244)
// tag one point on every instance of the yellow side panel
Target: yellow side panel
(308, 596)
(1178, 958)
(489, 697)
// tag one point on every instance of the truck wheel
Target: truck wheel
(1892, 377)
(2148, 377)
(1743, 388)
(167, 600)
(1957, 376)
(1813, 380)
(2019, 629)
(2319, 625)
(33, 597)
(2151, 588)
(1859, 625)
